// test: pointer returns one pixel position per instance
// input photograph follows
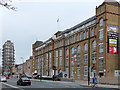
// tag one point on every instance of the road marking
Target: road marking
(12, 86)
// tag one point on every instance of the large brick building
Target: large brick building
(95, 40)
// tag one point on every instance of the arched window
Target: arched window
(94, 44)
(85, 47)
(101, 22)
(72, 50)
(78, 49)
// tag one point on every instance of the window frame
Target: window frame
(101, 34)
(101, 22)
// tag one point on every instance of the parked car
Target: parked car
(58, 77)
(24, 81)
(7, 77)
(36, 76)
(3, 79)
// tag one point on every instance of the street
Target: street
(11, 83)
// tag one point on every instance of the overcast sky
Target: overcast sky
(37, 21)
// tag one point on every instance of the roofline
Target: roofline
(78, 25)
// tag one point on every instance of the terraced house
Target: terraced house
(95, 39)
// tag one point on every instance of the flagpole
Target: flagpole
(58, 24)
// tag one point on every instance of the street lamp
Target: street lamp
(89, 57)
(23, 63)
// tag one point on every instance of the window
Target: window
(78, 72)
(60, 52)
(72, 60)
(84, 35)
(94, 45)
(94, 57)
(85, 72)
(67, 52)
(67, 72)
(101, 62)
(67, 62)
(49, 59)
(56, 53)
(72, 50)
(68, 41)
(87, 34)
(56, 58)
(60, 58)
(56, 61)
(101, 34)
(77, 37)
(92, 32)
(101, 47)
(85, 47)
(78, 49)
(74, 38)
(78, 60)
(71, 39)
(80, 36)
(65, 42)
(95, 31)
(72, 72)
(58, 43)
(85, 58)
(101, 22)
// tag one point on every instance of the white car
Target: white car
(3, 79)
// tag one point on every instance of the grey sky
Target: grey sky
(37, 21)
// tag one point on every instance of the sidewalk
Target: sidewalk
(85, 83)
(81, 83)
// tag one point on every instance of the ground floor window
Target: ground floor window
(78, 72)
(101, 74)
(67, 62)
(85, 72)
(56, 61)
(67, 72)
(60, 59)
(56, 72)
(85, 58)
(101, 62)
(94, 57)
(72, 72)
(72, 61)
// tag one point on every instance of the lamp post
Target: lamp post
(23, 63)
(89, 57)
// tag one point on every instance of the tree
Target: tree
(7, 4)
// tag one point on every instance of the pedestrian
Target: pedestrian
(53, 78)
(40, 77)
(94, 81)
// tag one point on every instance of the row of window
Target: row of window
(85, 48)
(72, 58)
(101, 47)
(85, 60)
(79, 37)
(101, 65)
(101, 37)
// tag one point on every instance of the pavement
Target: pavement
(82, 83)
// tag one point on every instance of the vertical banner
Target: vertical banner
(112, 34)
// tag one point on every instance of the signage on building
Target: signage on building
(117, 73)
(112, 33)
